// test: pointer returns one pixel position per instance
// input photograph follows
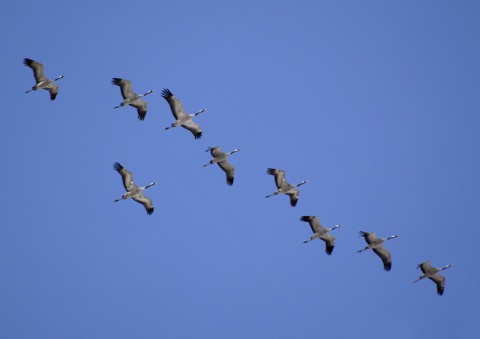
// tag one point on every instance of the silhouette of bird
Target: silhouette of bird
(320, 232)
(431, 273)
(42, 81)
(131, 98)
(220, 158)
(182, 119)
(284, 187)
(133, 191)
(376, 244)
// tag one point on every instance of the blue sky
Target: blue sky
(375, 103)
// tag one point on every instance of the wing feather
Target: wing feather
(228, 169)
(37, 67)
(175, 104)
(141, 107)
(53, 89)
(294, 194)
(329, 243)
(127, 177)
(385, 255)
(440, 281)
(194, 128)
(125, 87)
(279, 176)
(145, 201)
(215, 151)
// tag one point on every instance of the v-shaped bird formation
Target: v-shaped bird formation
(185, 120)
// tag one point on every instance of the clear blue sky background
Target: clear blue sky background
(376, 103)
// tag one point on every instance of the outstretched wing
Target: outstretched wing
(125, 87)
(369, 236)
(228, 169)
(279, 176)
(193, 127)
(314, 224)
(386, 257)
(141, 107)
(126, 176)
(175, 105)
(53, 89)
(329, 242)
(145, 201)
(440, 281)
(427, 268)
(37, 69)
(293, 197)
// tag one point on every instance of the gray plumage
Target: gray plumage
(320, 232)
(133, 191)
(182, 118)
(284, 187)
(376, 244)
(131, 98)
(220, 158)
(42, 81)
(431, 273)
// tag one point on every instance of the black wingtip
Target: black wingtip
(150, 211)
(27, 61)
(117, 166)
(198, 135)
(387, 267)
(141, 117)
(271, 171)
(116, 81)
(230, 182)
(329, 250)
(305, 218)
(166, 93)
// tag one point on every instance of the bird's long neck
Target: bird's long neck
(336, 226)
(60, 77)
(235, 150)
(153, 183)
(444, 268)
(300, 184)
(150, 91)
(200, 111)
(391, 237)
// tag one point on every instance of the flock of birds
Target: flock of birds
(220, 158)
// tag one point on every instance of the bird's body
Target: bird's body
(431, 273)
(283, 187)
(182, 118)
(133, 191)
(220, 158)
(131, 98)
(320, 232)
(42, 81)
(376, 244)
